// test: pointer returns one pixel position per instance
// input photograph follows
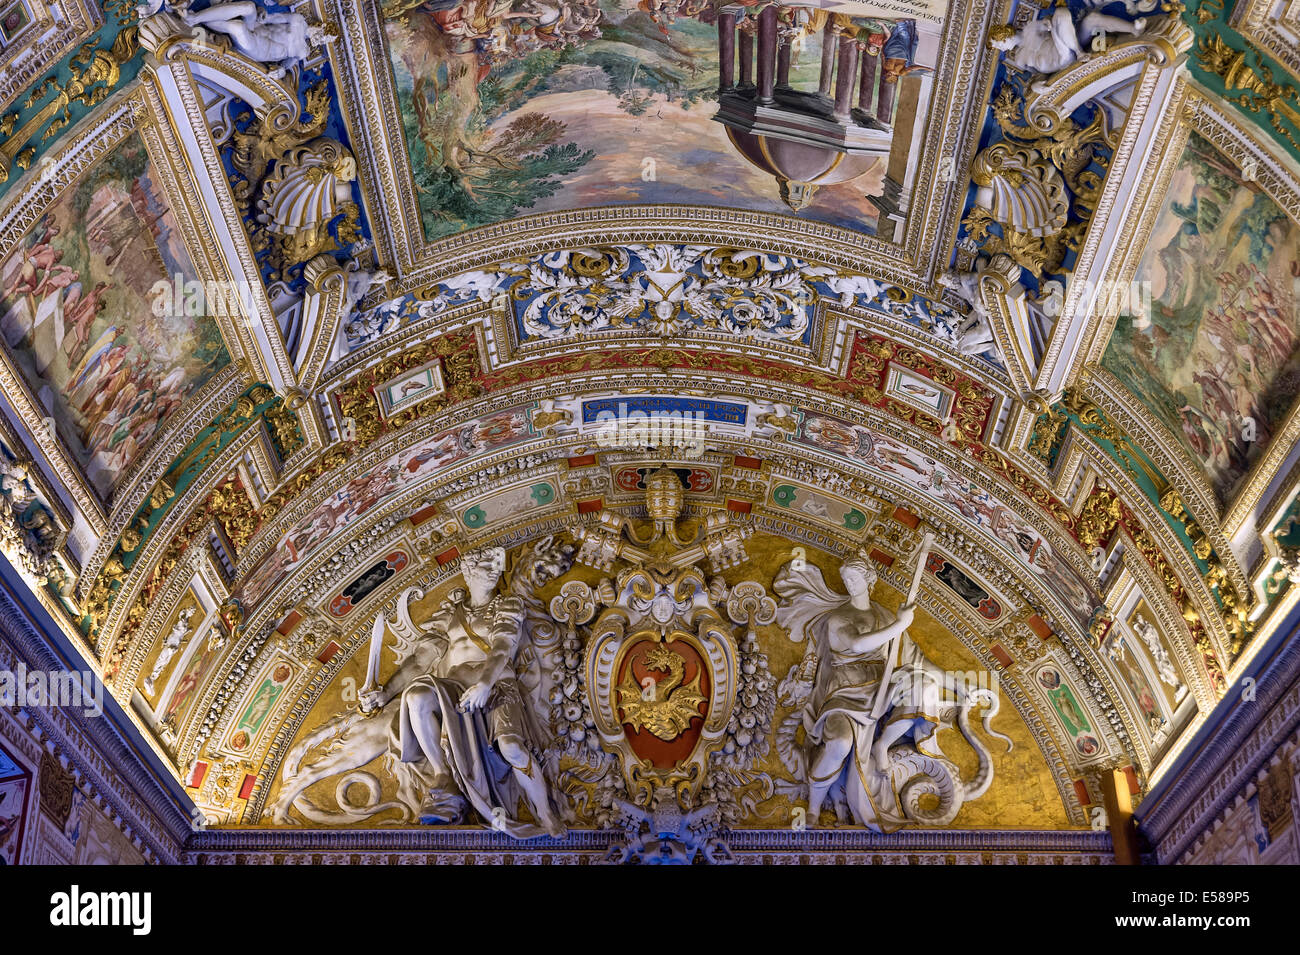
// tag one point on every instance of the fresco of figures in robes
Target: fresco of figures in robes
(514, 107)
(1217, 358)
(108, 358)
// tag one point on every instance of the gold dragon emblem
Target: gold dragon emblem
(665, 707)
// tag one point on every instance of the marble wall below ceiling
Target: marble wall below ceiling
(46, 818)
(1233, 796)
(70, 791)
(1259, 828)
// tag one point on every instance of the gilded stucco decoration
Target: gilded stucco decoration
(517, 447)
(107, 56)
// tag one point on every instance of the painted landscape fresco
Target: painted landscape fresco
(512, 108)
(1217, 360)
(79, 304)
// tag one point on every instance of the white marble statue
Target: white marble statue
(1164, 666)
(463, 730)
(280, 40)
(13, 483)
(975, 333)
(1050, 44)
(171, 644)
(850, 639)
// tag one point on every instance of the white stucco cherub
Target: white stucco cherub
(1050, 44)
(279, 40)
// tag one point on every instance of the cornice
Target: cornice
(1230, 746)
(214, 846)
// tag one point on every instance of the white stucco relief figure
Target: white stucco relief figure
(1051, 43)
(171, 644)
(463, 729)
(357, 281)
(974, 336)
(279, 40)
(1164, 666)
(13, 482)
(870, 705)
(457, 723)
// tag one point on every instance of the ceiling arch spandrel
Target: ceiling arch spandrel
(294, 787)
(1066, 117)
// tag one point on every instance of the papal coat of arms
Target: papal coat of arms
(642, 702)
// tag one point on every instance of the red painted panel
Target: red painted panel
(423, 514)
(906, 517)
(1132, 778)
(1039, 626)
(665, 753)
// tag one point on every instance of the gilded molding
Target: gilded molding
(1278, 34)
(54, 30)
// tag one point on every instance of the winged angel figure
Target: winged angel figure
(870, 705)
(459, 722)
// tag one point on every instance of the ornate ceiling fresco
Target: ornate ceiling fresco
(572, 414)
